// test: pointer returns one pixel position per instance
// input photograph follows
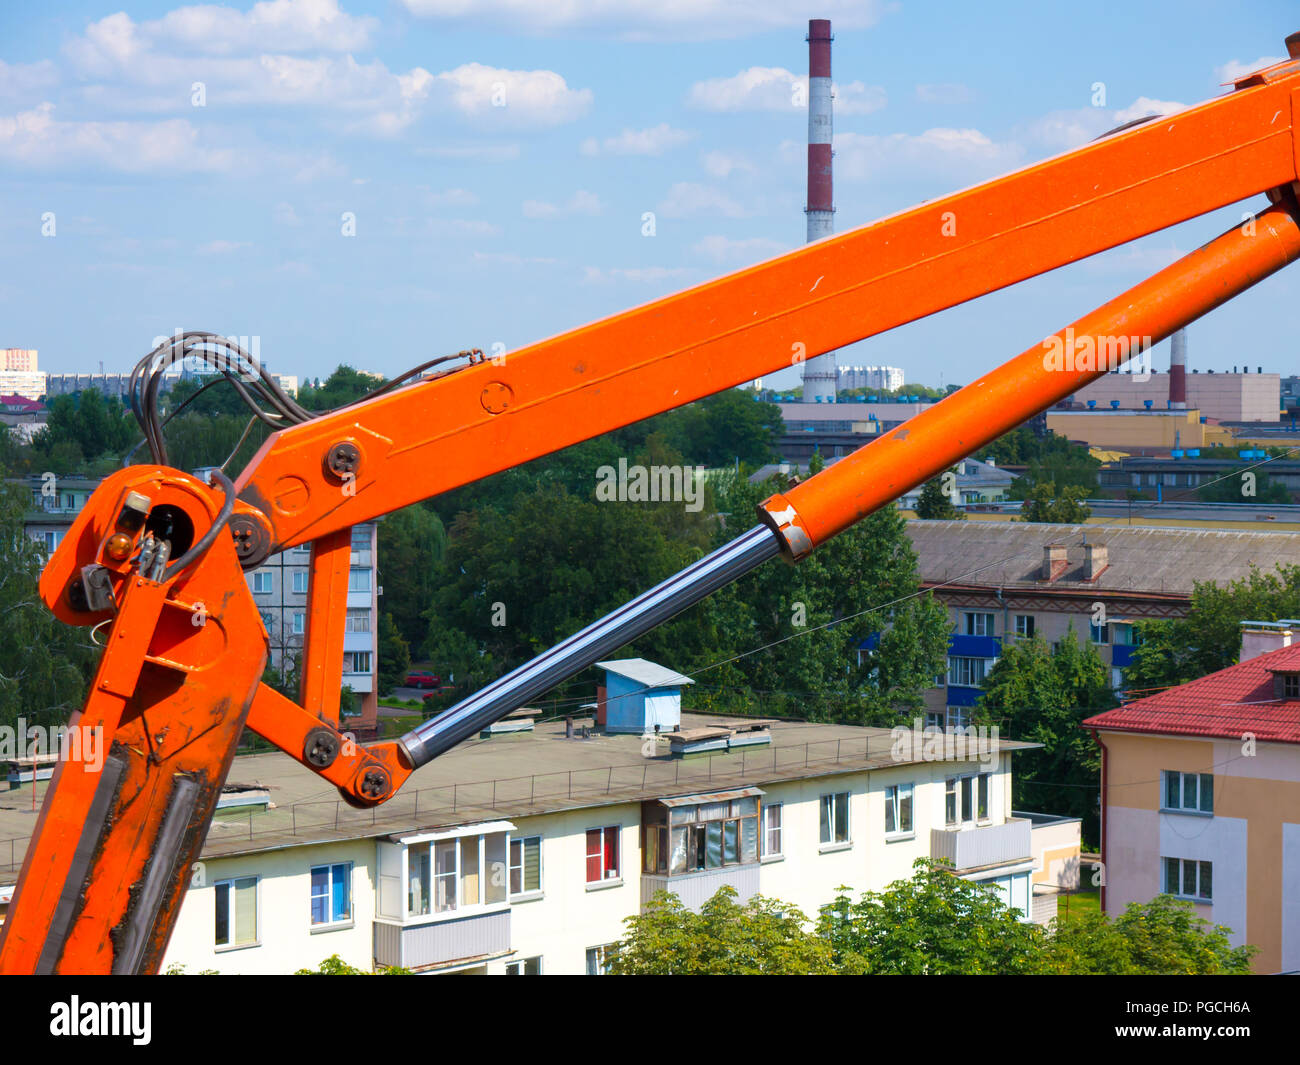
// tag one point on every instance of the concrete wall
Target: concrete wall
(1130, 429)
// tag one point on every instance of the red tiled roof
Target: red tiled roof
(21, 402)
(1225, 704)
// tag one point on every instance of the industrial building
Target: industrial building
(1222, 397)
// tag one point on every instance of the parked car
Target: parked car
(422, 678)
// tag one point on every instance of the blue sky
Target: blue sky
(478, 224)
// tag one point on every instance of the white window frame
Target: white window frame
(262, 582)
(894, 794)
(231, 915)
(1025, 626)
(965, 789)
(1198, 866)
(826, 818)
(299, 622)
(1099, 634)
(598, 958)
(524, 892)
(517, 968)
(331, 923)
(300, 583)
(607, 876)
(1187, 782)
(963, 672)
(769, 811)
(978, 622)
(355, 582)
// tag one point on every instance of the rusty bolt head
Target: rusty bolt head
(252, 539)
(374, 783)
(321, 748)
(343, 459)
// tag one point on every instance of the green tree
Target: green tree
(1042, 694)
(412, 542)
(1046, 503)
(935, 504)
(1249, 485)
(761, 937)
(1208, 638)
(345, 385)
(336, 966)
(394, 655)
(45, 665)
(1163, 937)
(933, 923)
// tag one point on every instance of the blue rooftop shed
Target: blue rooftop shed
(638, 695)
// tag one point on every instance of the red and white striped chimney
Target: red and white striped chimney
(1178, 370)
(819, 374)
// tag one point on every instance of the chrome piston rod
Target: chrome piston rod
(590, 645)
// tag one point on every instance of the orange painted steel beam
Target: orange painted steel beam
(428, 438)
(322, 653)
(943, 434)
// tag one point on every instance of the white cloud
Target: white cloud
(21, 79)
(211, 29)
(958, 154)
(647, 19)
(653, 141)
(452, 198)
(36, 138)
(593, 275)
(1059, 130)
(1234, 68)
(581, 202)
(461, 227)
(688, 198)
(948, 93)
(750, 249)
(721, 164)
(285, 215)
(472, 153)
(524, 97)
(1144, 106)
(222, 247)
(778, 89)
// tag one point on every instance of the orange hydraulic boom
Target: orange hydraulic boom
(157, 555)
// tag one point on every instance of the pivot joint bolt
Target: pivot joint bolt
(343, 460)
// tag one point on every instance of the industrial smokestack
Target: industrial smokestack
(819, 374)
(1178, 370)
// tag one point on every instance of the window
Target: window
(898, 809)
(978, 624)
(602, 854)
(262, 583)
(1123, 634)
(1188, 791)
(525, 865)
(1291, 685)
(361, 538)
(357, 621)
(966, 799)
(835, 818)
(300, 583)
(1025, 625)
(773, 817)
(1099, 633)
(966, 672)
(299, 622)
(598, 959)
(268, 619)
(331, 893)
(958, 717)
(236, 912)
(697, 836)
(1189, 879)
(452, 874)
(525, 967)
(358, 579)
(356, 661)
(934, 719)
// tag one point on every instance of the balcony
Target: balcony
(695, 889)
(462, 939)
(985, 846)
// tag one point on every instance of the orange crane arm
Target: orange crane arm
(107, 869)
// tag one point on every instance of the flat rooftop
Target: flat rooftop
(511, 775)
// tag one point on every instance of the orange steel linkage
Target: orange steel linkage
(105, 874)
(426, 439)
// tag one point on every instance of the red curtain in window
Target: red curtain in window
(593, 855)
(611, 852)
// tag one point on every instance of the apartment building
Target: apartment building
(523, 853)
(20, 374)
(1201, 793)
(1003, 580)
(279, 587)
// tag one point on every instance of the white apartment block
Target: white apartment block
(885, 378)
(19, 373)
(279, 587)
(524, 853)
